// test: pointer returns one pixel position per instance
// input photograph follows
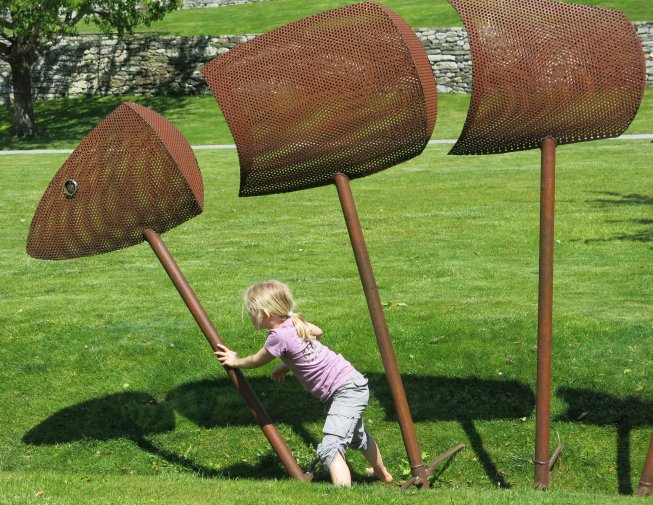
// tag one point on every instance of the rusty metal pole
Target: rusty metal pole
(192, 302)
(527, 109)
(543, 463)
(646, 482)
(381, 330)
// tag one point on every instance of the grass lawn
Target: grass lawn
(59, 488)
(110, 391)
(63, 123)
(265, 16)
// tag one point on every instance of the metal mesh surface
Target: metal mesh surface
(134, 171)
(544, 68)
(348, 90)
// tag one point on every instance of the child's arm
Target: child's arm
(279, 373)
(315, 330)
(230, 358)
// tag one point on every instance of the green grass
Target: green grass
(111, 395)
(21, 488)
(265, 16)
(110, 390)
(636, 10)
(63, 123)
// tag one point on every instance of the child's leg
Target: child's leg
(373, 457)
(340, 475)
(341, 427)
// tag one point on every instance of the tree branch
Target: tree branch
(5, 23)
(101, 14)
(72, 21)
(73, 17)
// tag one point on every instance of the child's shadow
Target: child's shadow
(465, 400)
(601, 409)
(213, 403)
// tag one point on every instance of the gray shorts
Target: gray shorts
(344, 426)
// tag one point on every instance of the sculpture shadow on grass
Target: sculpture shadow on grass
(214, 403)
(612, 199)
(586, 406)
(131, 415)
(210, 404)
(136, 415)
(465, 400)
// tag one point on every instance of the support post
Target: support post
(646, 482)
(543, 463)
(381, 330)
(201, 317)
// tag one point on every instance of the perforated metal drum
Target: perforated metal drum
(545, 68)
(134, 171)
(349, 90)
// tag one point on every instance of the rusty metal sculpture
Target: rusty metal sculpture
(336, 96)
(132, 178)
(646, 481)
(546, 73)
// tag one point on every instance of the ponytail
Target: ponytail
(301, 325)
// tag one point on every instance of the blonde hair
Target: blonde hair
(276, 298)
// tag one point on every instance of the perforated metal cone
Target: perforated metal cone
(134, 171)
(349, 90)
(544, 68)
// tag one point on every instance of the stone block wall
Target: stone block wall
(142, 65)
(451, 61)
(151, 65)
(198, 4)
(645, 32)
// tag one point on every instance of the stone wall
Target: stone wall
(451, 61)
(150, 65)
(198, 4)
(645, 32)
(141, 65)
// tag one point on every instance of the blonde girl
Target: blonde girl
(322, 372)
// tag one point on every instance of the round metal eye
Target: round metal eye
(70, 188)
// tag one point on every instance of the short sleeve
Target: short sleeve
(275, 344)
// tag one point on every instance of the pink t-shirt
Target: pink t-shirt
(320, 370)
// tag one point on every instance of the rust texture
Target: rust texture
(544, 68)
(134, 171)
(646, 482)
(348, 90)
(543, 462)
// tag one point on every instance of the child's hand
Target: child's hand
(227, 357)
(279, 373)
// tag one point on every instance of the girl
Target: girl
(325, 374)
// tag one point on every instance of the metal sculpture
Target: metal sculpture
(329, 98)
(547, 73)
(646, 481)
(132, 178)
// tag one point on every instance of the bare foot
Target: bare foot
(383, 475)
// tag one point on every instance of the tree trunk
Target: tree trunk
(21, 79)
